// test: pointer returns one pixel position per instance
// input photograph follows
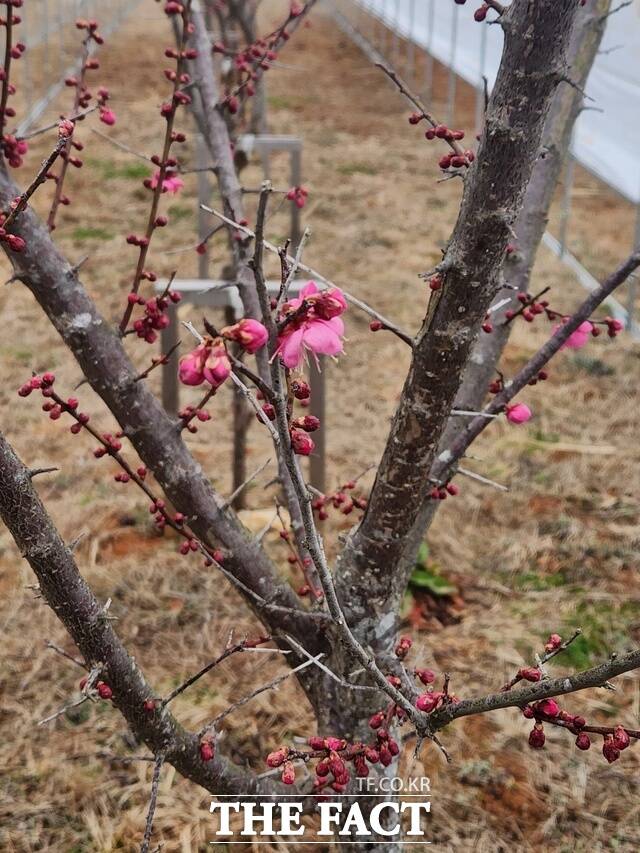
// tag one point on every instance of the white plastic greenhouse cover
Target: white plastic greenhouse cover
(607, 138)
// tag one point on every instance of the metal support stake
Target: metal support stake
(169, 337)
(204, 197)
(428, 67)
(451, 94)
(480, 105)
(632, 289)
(296, 180)
(396, 35)
(566, 202)
(411, 45)
(318, 408)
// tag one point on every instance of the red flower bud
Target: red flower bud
(104, 691)
(536, 737)
(275, 759)
(583, 741)
(207, 750)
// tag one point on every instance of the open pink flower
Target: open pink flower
(518, 413)
(250, 334)
(577, 339)
(315, 324)
(172, 183)
(207, 361)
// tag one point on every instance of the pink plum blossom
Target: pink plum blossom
(577, 339)
(208, 361)
(250, 334)
(318, 328)
(518, 413)
(172, 183)
(107, 116)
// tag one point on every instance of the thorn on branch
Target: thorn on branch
(35, 472)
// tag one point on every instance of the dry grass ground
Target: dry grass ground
(558, 550)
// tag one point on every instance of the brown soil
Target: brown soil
(558, 550)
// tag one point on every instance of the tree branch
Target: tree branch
(83, 616)
(471, 276)
(104, 362)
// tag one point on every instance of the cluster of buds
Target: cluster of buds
(13, 241)
(333, 756)
(252, 61)
(207, 362)
(298, 195)
(442, 492)
(458, 158)
(190, 413)
(91, 28)
(111, 445)
(340, 500)
(614, 739)
(82, 99)
(54, 405)
(12, 148)
(155, 312)
(532, 306)
(166, 179)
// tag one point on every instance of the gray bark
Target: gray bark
(75, 605)
(533, 62)
(529, 228)
(154, 435)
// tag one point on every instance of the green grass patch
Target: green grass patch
(428, 576)
(357, 169)
(87, 233)
(180, 211)
(605, 629)
(277, 102)
(110, 170)
(538, 581)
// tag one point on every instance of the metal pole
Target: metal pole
(296, 181)
(169, 337)
(318, 408)
(566, 201)
(480, 105)
(428, 67)
(411, 45)
(396, 34)
(632, 290)
(45, 37)
(26, 59)
(451, 95)
(204, 197)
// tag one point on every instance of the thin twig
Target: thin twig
(155, 783)
(487, 482)
(35, 472)
(250, 396)
(341, 681)
(64, 654)
(229, 650)
(39, 179)
(234, 494)
(77, 117)
(388, 324)
(120, 145)
(270, 686)
(64, 710)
